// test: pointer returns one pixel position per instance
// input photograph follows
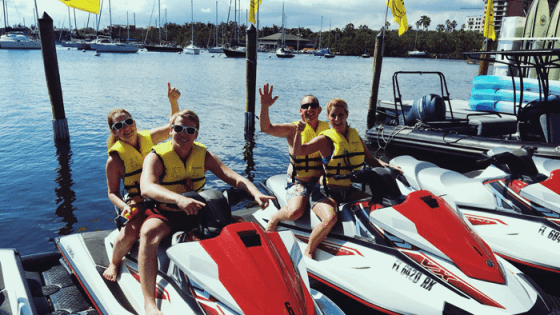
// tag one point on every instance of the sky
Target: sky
(299, 13)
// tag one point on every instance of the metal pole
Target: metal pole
(50, 61)
(377, 63)
(251, 81)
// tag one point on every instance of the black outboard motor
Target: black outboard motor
(430, 107)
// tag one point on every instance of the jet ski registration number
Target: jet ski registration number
(552, 235)
(413, 275)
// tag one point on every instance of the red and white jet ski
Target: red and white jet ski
(243, 270)
(412, 255)
(513, 207)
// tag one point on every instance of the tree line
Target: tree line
(444, 42)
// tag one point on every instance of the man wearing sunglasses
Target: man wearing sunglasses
(303, 171)
(173, 168)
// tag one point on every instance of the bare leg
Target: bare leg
(325, 210)
(152, 232)
(123, 243)
(293, 211)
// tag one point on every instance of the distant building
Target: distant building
(503, 8)
(474, 23)
(272, 42)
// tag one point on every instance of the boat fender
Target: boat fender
(429, 107)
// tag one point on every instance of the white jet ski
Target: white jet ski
(410, 255)
(243, 270)
(513, 207)
(39, 285)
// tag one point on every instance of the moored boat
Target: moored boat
(18, 40)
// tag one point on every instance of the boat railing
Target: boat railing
(444, 94)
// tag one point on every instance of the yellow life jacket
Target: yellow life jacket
(176, 172)
(309, 165)
(348, 154)
(133, 160)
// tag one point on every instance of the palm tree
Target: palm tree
(425, 21)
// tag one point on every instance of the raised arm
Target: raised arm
(152, 169)
(278, 130)
(215, 165)
(161, 133)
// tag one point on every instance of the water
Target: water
(47, 192)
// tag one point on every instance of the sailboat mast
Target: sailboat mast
(216, 24)
(159, 20)
(192, 24)
(283, 25)
(4, 12)
(110, 21)
(321, 34)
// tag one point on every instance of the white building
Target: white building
(475, 23)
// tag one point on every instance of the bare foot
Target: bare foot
(110, 273)
(271, 225)
(151, 309)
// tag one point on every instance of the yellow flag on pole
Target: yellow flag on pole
(399, 14)
(489, 21)
(84, 5)
(253, 10)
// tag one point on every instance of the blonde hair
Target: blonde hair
(112, 136)
(187, 115)
(337, 102)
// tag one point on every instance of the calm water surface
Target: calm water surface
(47, 192)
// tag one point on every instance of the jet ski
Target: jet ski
(409, 254)
(509, 203)
(220, 268)
(38, 285)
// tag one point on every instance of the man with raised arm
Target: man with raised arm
(303, 171)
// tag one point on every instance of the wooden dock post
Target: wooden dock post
(50, 61)
(377, 63)
(251, 81)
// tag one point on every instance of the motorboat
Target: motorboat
(39, 285)
(220, 268)
(18, 40)
(104, 44)
(509, 203)
(409, 255)
(429, 127)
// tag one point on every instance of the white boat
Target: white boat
(216, 49)
(104, 44)
(18, 40)
(191, 49)
(416, 53)
(282, 52)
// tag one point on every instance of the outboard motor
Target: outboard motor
(430, 107)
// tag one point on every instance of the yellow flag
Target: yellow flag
(489, 21)
(84, 5)
(253, 10)
(399, 13)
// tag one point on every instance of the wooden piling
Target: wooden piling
(50, 61)
(251, 53)
(377, 63)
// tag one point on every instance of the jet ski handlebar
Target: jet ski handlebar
(381, 181)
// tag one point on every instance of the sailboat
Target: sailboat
(162, 47)
(329, 54)
(191, 49)
(415, 52)
(216, 48)
(16, 39)
(235, 50)
(320, 51)
(282, 52)
(107, 45)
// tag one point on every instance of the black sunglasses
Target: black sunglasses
(188, 129)
(312, 105)
(120, 125)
